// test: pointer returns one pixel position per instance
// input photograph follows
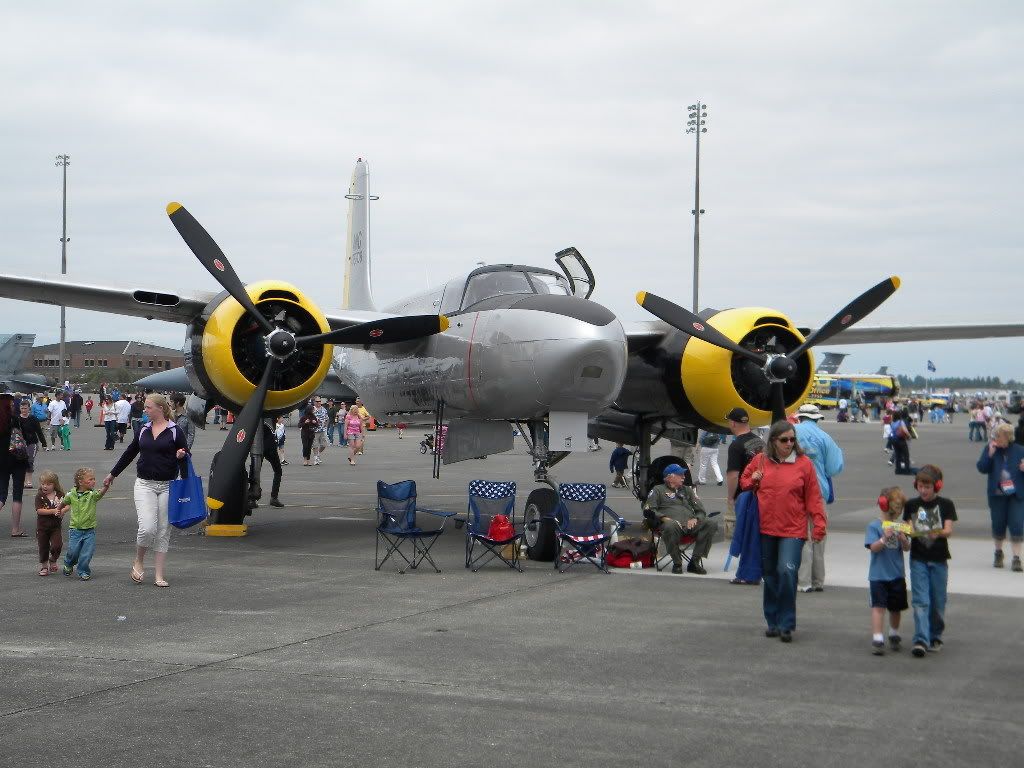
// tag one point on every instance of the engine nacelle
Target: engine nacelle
(227, 353)
(693, 382)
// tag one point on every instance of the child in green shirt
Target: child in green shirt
(82, 532)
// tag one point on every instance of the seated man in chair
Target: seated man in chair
(675, 509)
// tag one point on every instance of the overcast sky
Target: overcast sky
(846, 142)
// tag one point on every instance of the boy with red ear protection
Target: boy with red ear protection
(931, 516)
(886, 572)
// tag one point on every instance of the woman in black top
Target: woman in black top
(307, 430)
(33, 437)
(11, 469)
(161, 449)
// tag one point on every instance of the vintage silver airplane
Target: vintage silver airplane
(502, 343)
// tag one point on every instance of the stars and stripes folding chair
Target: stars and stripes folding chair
(397, 525)
(488, 499)
(581, 530)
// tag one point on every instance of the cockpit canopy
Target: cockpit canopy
(501, 280)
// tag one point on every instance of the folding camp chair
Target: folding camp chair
(486, 500)
(396, 525)
(581, 531)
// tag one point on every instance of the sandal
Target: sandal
(138, 576)
(21, 535)
(53, 567)
(44, 570)
(161, 583)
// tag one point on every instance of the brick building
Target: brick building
(104, 360)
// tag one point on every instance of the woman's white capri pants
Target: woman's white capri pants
(151, 509)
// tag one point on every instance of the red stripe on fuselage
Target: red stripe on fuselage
(469, 360)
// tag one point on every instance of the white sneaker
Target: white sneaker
(316, 461)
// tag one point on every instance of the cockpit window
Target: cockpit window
(488, 284)
(546, 283)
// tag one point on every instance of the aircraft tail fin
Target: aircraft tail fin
(14, 351)
(831, 362)
(357, 294)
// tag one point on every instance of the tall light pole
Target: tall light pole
(63, 161)
(695, 125)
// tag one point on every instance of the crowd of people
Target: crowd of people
(789, 472)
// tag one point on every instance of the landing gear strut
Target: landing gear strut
(540, 505)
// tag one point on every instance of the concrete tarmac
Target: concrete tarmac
(285, 647)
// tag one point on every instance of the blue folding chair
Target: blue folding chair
(581, 530)
(397, 525)
(486, 500)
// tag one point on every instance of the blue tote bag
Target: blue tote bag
(186, 503)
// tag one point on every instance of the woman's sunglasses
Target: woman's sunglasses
(785, 439)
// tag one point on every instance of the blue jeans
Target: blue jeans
(928, 582)
(111, 427)
(780, 564)
(330, 432)
(81, 548)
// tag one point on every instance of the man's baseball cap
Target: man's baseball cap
(810, 411)
(672, 469)
(738, 414)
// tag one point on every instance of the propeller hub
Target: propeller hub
(779, 369)
(280, 343)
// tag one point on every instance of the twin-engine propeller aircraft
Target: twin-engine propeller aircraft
(505, 343)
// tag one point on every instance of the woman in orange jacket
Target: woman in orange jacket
(787, 496)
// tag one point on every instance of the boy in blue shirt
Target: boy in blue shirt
(617, 464)
(886, 572)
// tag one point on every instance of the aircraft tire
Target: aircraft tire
(540, 538)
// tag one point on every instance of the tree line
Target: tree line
(957, 383)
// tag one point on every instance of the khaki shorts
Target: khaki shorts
(320, 441)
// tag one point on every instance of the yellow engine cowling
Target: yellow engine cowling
(228, 352)
(715, 380)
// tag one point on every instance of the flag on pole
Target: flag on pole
(931, 366)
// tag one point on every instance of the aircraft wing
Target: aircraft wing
(885, 335)
(643, 334)
(152, 304)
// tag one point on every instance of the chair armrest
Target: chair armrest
(436, 513)
(620, 521)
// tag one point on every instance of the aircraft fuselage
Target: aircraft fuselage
(503, 363)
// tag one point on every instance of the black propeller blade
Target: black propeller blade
(212, 257)
(238, 442)
(852, 313)
(387, 330)
(687, 322)
(777, 368)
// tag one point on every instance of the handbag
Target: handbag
(500, 528)
(186, 502)
(18, 446)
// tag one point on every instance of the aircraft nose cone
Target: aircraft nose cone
(581, 374)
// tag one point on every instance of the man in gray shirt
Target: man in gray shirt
(675, 509)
